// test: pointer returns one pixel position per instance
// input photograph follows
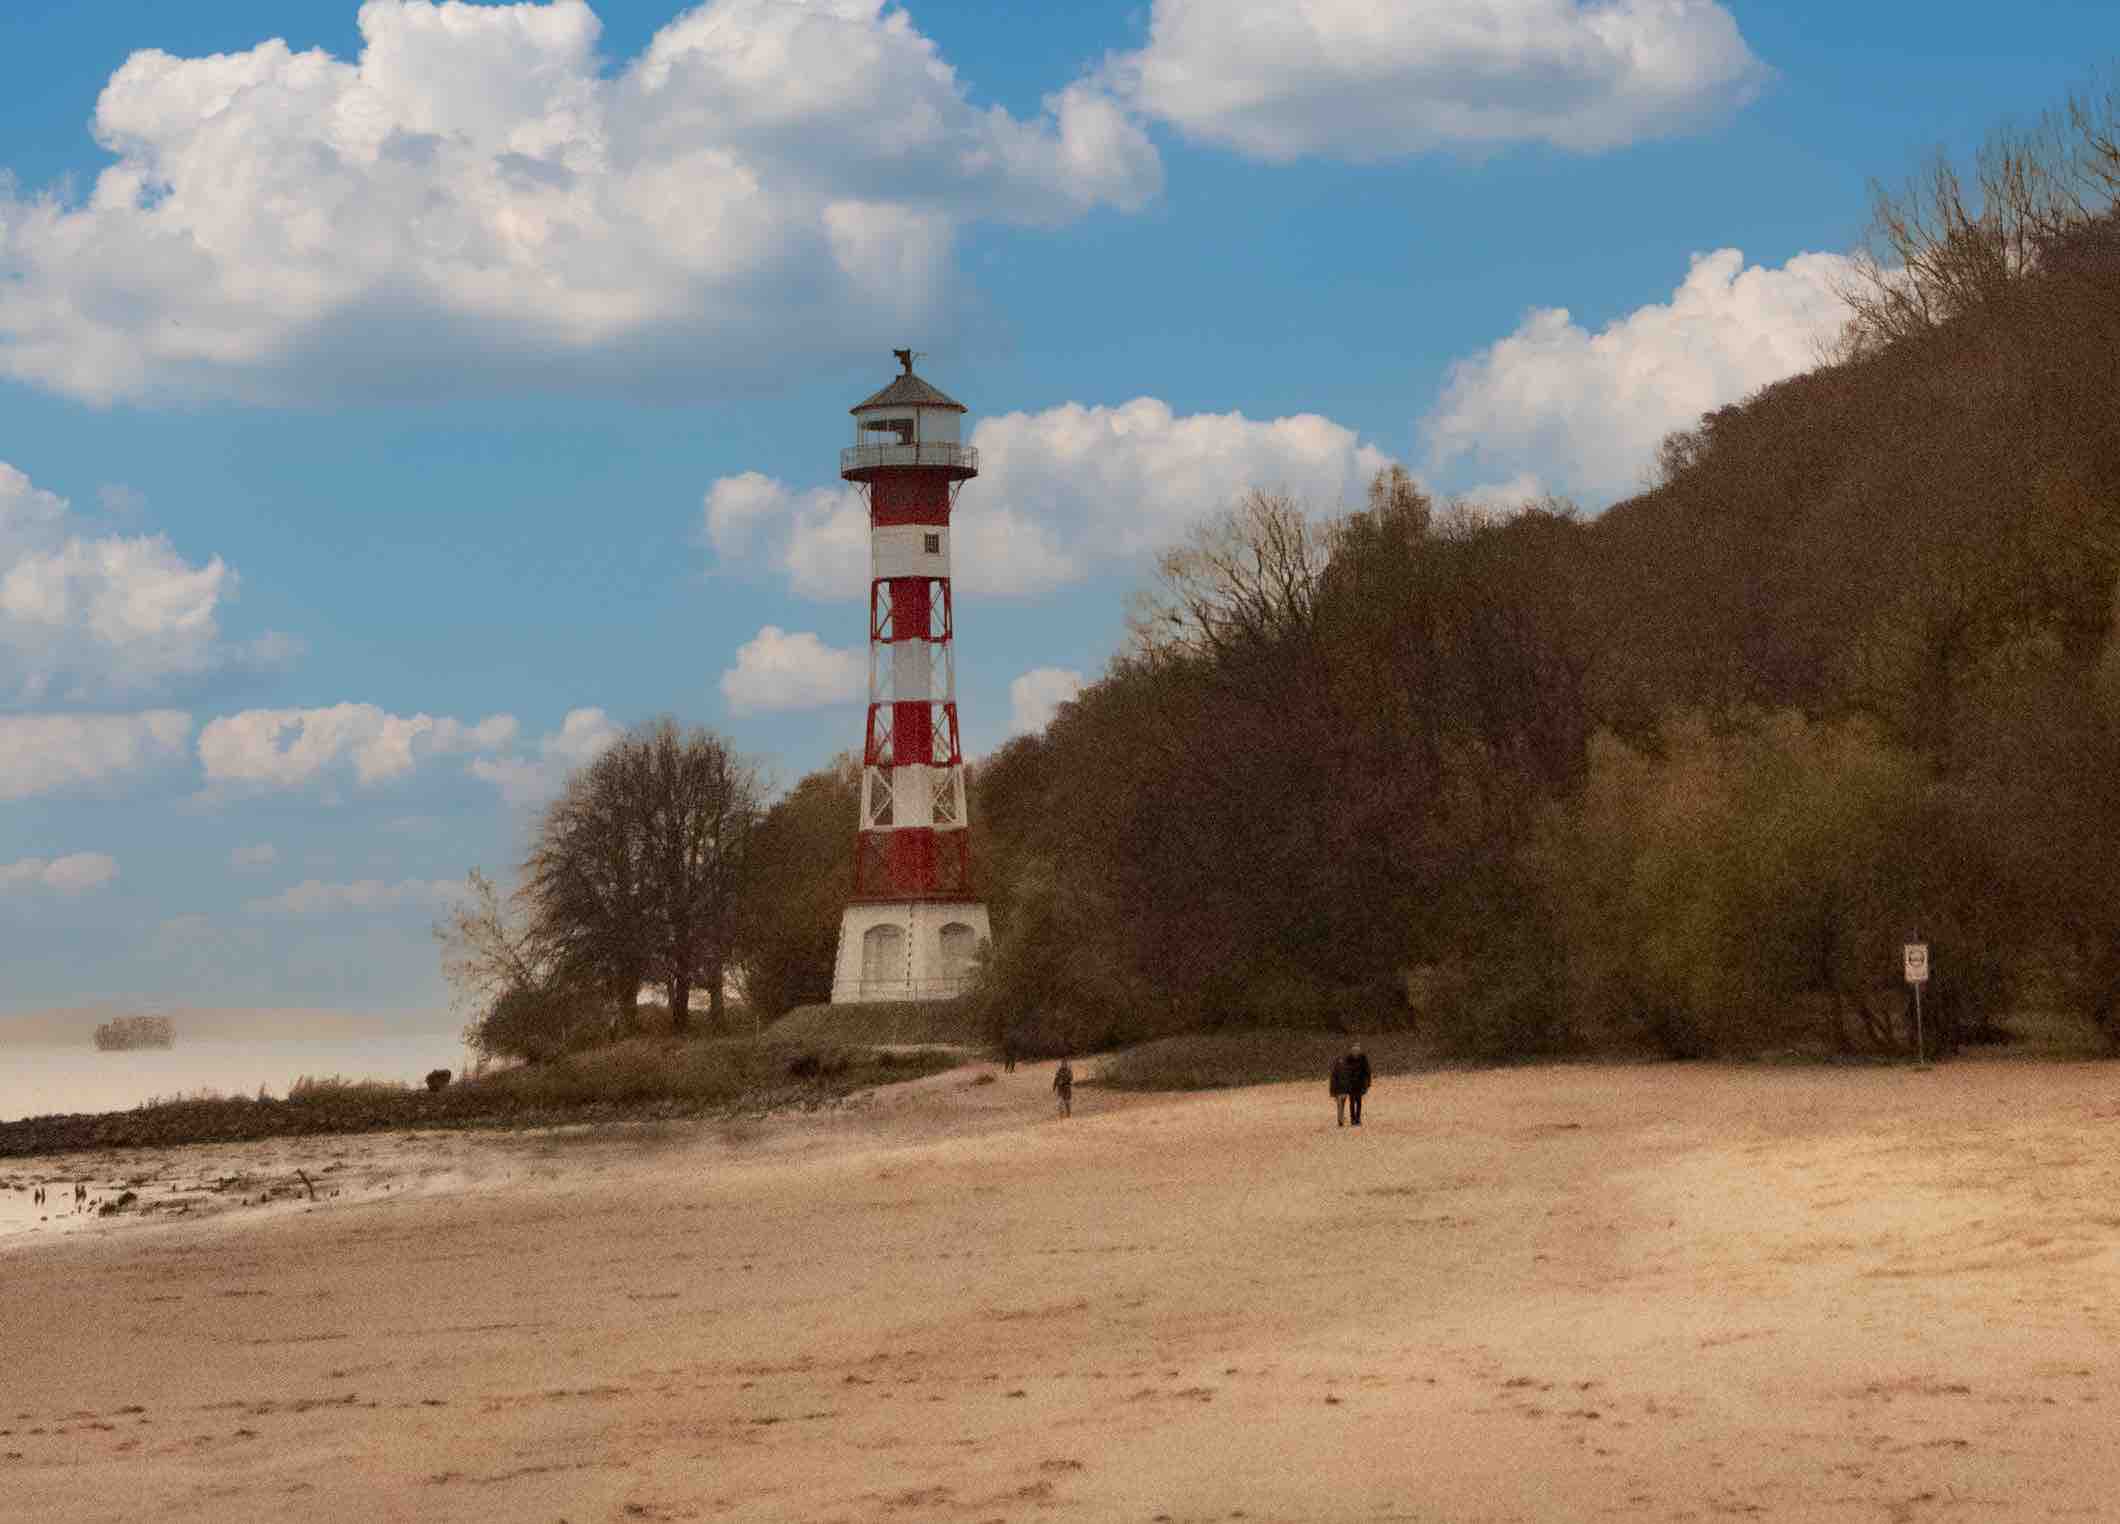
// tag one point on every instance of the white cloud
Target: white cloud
(91, 615)
(26, 508)
(1352, 79)
(1058, 492)
(779, 670)
(314, 897)
(581, 738)
(44, 753)
(1586, 411)
(248, 859)
(1524, 487)
(1037, 695)
(737, 506)
(76, 873)
(286, 748)
(476, 197)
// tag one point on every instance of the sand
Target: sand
(1654, 1292)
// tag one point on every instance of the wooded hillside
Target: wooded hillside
(1686, 773)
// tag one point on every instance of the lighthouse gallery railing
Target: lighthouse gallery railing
(869, 456)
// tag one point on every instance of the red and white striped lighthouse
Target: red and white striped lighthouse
(915, 921)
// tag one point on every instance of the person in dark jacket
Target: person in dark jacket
(1349, 1083)
(1064, 1087)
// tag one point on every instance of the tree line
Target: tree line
(1685, 774)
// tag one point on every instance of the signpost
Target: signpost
(1917, 955)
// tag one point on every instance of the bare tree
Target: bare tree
(483, 955)
(636, 869)
(585, 882)
(516, 1001)
(1940, 248)
(700, 804)
(1238, 585)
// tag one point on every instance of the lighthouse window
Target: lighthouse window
(901, 427)
(934, 544)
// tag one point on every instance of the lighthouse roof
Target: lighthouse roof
(907, 390)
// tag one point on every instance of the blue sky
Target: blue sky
(388, 416)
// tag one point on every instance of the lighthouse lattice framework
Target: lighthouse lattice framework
(915, 920)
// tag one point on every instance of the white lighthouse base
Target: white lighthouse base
(907, 950)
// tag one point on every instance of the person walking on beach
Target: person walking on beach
(1008, 1053)
(1064, 1087)
(1349, 1082)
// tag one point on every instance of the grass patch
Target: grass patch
(1227, 1060)
(882, 1021)
(317, 1089)
(644, 1079)
(704, 1075)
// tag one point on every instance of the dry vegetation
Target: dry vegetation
(644, 1078)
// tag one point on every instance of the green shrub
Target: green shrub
(1700, 892)
(538, 1025)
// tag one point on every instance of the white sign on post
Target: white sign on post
(1917, 962)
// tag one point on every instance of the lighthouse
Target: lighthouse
(915, 921)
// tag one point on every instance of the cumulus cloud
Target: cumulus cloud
(1349, 79)
(1037, 695)
(248, 859)
(1504, 496)
(76, 873)
(45, 753)
(475, 197)
(581, 738)
(1556, 403)
(25, 507)
(1059, 492)
(287, 748)
(779, 670)
(85, 615)
(314, 897)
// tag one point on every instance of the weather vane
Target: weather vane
(906, 357)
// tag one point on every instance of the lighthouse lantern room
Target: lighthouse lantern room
(915, 920)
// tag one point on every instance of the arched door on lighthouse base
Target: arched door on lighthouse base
(882, 956)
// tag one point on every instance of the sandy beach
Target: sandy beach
(1655, 1292)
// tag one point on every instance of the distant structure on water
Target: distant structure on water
(915, 922)
(136, 1032)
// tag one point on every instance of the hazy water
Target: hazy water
(39, 1081)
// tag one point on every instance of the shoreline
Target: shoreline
(567, 1093)
(257, 1178)
(119, 1189)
